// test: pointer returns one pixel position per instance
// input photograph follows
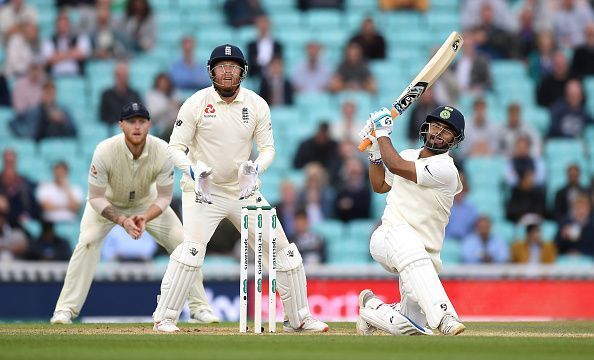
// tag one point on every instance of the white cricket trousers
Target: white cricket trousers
(167, 231)
(201, 220)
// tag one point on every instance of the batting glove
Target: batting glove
(201, 176)
(382, 122)
(248, 179)
(375, 156)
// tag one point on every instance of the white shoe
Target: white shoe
(451, 326)
(310, 324)
(363, 327)
(61, 317)
(204, 316)
(166, 326)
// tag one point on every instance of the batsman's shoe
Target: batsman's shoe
(204, 316)
(309, 325)
(451, 326)
(364, 328)
(166, 326)
(61, 317)
(386, 317)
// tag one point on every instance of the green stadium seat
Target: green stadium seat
(32, 227)
(409, 20)
(219, 260)
(331, 230)
(450, 252)
(508, 69)
(24, 148)
(505, 229)
(193, 6)
(278, 6)
(574, 260)
(323, 20)
(361, 6)
(348, 251)
(488, 202)
(56, 149)
(484, 171)
(378, 205)
(68, 231)
(560, 153)
(438, 20)
(360, 229)
(538, 117)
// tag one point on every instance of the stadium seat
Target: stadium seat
(574, 260)
(361, 7)
(68, 231)
(348, 251)
(56, 149)
(331, 230)
(484, 172)
(322, 20)
(32, 227)
(488, 202)
(508, 69)
(450, 252)
(361, 229)
(505, 230)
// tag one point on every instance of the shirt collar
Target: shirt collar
(445, 154)
(239, 98)
(129, 154)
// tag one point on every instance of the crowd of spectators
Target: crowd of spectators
(554, 41)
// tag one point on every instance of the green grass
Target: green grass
(543, 340)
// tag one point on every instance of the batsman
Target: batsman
(421, 184)
(211, 143)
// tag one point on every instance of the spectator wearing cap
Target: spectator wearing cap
(186, 73)
(60, 201)
(114, 99)
(533, 250)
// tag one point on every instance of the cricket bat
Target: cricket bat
(433, 70)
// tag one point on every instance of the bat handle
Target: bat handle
(366, 142)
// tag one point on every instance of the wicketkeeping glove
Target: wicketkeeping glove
(201, 176)
(382, 122)
(248, 179)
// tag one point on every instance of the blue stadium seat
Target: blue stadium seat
(409, 20)
(589, 90)
(24, 148)
(538, 117)
(71, 92)
(378, 205)
(508, 69)
(559, 153)
(361, 6)
(488, 202)
(273, 7)
(348, 251)
(33, 227)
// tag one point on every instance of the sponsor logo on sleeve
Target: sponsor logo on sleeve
(93, 171)
(178, 122)
(245, 115)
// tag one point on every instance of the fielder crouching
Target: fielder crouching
(130, 184)
(216, 127)
(421, 184)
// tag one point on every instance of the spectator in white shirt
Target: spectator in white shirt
(12, 15)
(66, 52)
(60, 201)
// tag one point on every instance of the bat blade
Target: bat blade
(425, 78)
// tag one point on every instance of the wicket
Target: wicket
(258, 268)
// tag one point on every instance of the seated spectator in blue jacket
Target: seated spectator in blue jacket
(483, 246)
(186, 73)
(568, 116)
(463, 215)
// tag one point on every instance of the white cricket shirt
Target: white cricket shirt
(424, 205)
(130, 182)
(221, 135)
